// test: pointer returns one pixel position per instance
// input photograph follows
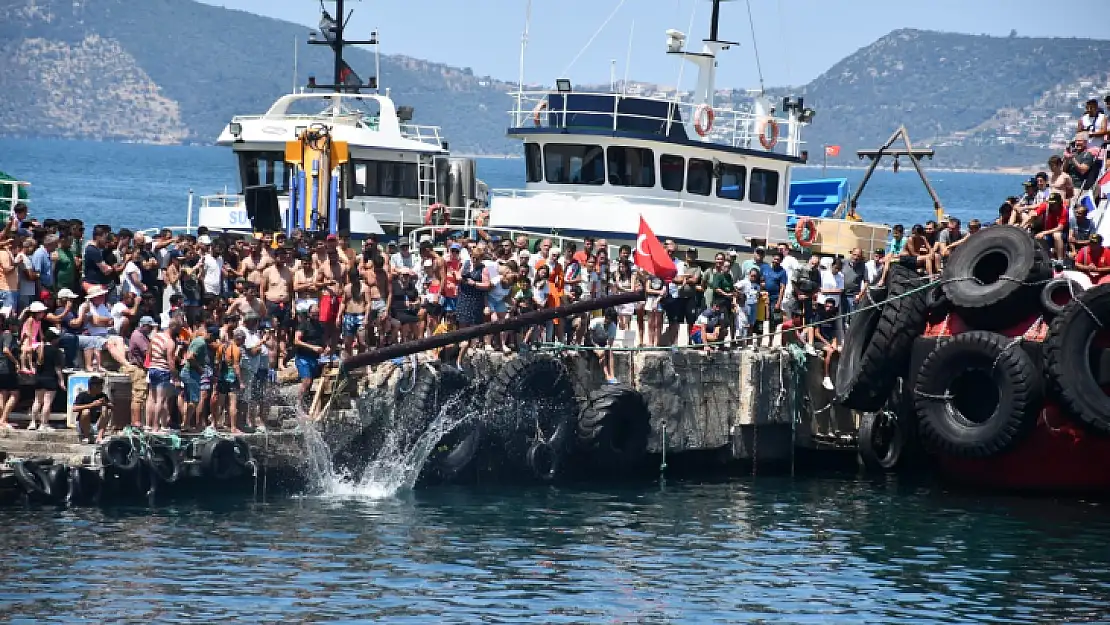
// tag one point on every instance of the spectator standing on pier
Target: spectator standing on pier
(43, 264)
(722, 290)
(9, 364)
(97, 272)
(9, 276)
(855, 283)
(48, 379)
(758, 261)
(747, 296)
(138, 355)
(28, 277)
(308, 344)
(1093, 123)
(65, 263)
(161, 359)
(875, 267)
(674, 306)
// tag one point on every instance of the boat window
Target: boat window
(631, 167)
(730, 181)
(764, 186)
(699, 177)
(566, 163)
(384, 179)
(533, 162)
(671, 170)
(265, 168)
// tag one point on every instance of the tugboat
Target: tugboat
(397, 176)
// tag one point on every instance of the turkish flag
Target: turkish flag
(832, 150)
(651, 256)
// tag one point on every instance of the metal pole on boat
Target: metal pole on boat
(824, 158)
(523, 47)
(189, 214)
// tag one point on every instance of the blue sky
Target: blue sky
(797, 39)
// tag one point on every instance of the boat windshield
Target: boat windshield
(363, 109)
(258, 168)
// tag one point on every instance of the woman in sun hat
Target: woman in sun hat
(30, 337)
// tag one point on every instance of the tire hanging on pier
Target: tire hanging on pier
(883, 435)
(1077, 344)
(879, 342)
(456, 450)
(614, 427)
(33, 479)
(164, 463)
(119, 454)
(991, 279)
(84, 486)
(218, 458)
(532, 406)
(978, 393)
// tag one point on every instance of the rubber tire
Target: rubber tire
(243, 455)
(32, 478)
(164, 464)
(57, 476)
(1004, 299)
(119, 454)
(1067, 352)
(880, 454)
(1020, 392)
(454, 453)
(937, 305)
(1049, 305)
(424, 403)
(543, 461)
(874, 356)
(217, 459)
(84, 486)
(614, 427)
(531, 399)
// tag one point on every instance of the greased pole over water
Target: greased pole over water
(450, 338)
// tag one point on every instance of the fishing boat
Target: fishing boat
(705, 176)
(395, 175)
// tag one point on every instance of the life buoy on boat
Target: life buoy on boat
(437, 215)
(703, 119)
(540, 108)
(769, 141)
(805, 231)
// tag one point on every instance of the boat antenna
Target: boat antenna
(628, 58)
(345, 78)
(755, 46)
(591, 40)
(523, 47)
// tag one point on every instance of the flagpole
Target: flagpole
(824, 158)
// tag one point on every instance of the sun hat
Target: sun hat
(204, 239)
(96, 291)
(37, 307)
(147, 321)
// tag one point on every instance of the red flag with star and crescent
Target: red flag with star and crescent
(650, 254)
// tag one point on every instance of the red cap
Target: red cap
(44, 294)
(332, 237)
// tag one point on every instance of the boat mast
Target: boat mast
(332, 30)
(706, 59)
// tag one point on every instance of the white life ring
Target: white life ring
(769, 142)
(703, 119)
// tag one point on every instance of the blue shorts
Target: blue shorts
(450, 304)
(158, 378)
(499, 306)
(352, 323)
(696, 336)
(307, 367)
(191, 381)
(9, 299)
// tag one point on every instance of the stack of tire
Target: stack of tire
(536, 424)
(978, 354)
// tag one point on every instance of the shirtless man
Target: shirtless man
(277, 295)
(254, 264)
(306, 284)
(376, 279)
(332, 269)
(249, 302)
(352, 312)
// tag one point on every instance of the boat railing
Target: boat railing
(423, 134)
(731, 127)
(10, 196)
(391, 211)
(414, 132)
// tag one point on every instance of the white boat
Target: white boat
(703, 176)
(394, 172)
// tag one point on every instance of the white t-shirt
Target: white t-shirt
(247, 361)
(1091, 124)
(830, 281)
(213, 274)
(118, 310)
(680, 269)
(129, 284)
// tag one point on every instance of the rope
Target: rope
(755, 48)
(663, 463)
(1076, 298)
(591, 40)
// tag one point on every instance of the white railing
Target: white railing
(732, 128)
(9, 193)
(387, 211)
(423, 134)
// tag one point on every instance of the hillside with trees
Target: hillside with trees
(176, 71)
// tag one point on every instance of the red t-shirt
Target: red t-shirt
(1051, 220)
(1101, 260)
(790, 333)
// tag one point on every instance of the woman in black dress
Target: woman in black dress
(9, 363)
(472, 296)
(48, 377)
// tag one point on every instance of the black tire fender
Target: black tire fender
(614, 426)
(529, 400)
(120, 454)
(84, 486)
(1057, 294)
(243, 455)
(985, 277)
(32, 478)
(878, 351)
(217, 459)
(977, 394)
(424, 403)
(1073, 367)
(881, 439)
(164, 464)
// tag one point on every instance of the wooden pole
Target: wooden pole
(465, 334)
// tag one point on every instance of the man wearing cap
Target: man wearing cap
(1094, 259)
(66, 313)
(138, 348)
(96, 319)
(1053, 223)
(1029, 194)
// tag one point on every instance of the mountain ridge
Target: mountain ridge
(176, 71)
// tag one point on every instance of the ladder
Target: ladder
(427, 174)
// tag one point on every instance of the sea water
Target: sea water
(367, 546)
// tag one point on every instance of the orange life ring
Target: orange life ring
(541, 107)
(805, 231)
(764, 140)
(429, 216)
(703, 119)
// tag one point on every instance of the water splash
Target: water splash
(395, 466)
